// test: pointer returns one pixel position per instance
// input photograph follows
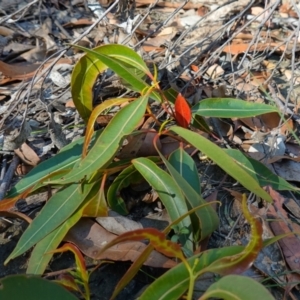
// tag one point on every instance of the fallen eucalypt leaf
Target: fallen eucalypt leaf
(90, 173)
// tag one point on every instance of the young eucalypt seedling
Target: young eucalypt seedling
(81, 169)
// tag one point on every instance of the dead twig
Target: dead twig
(8, 176)
(25, 8)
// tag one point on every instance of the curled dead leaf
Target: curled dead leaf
(90, 238)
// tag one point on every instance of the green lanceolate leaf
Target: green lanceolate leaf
(32, 288)
(90, 66)
(124, 179)
(175, 282)
(65, 159)
(122, 60)
(40, 255)
(200, 123)
(56, 211)
(118, 52)
(128, 176)
(168, 191)
(136, 81)
(207, 218)
(108, 143)
(230, 108)
(244, 288)
(52, 168)
(223, 160)
(186, 167)
(171, 95)
(84, 76)
(93, 117)
(260, 172)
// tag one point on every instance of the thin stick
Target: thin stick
(8, 176)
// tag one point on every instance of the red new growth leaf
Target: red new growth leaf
(238, 263)
(156, 238)
(80, 263)
(183, 113)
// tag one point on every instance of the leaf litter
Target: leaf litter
(201, 49)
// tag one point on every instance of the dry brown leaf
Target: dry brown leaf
(267, 122)
(118, 224)
(223, 127)
(292, 207)
(215, 71)
(34, 55)
(288, 169)
(22, 169)
(202, 11)
(241, 48)
(14, 72)
(149, 48)
(254, 123)
(90, 238)
(134, 142)
(256, 10)
(286, 10)
(80, 22)
(293, 149)
(289, 75)
(290, 245)
(27, 155)
(103, 120)
(4, 31)
(147, 148)
(189, 5)
(165, 35)
(15, 214)
(70, 103)
(280, 158)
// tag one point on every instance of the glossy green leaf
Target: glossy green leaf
(118, 52)
(93, 117)
(65, 159)
(97, 205)
(51, 168)
(40, 256)
(260, 172)
(117, 58)
(84, 76)
(137, 83)
(124, 179)
(200, 123)
(27, 287)
(108, 143)
(170, 94)
(169, 193)
(230, 108)
(238, 288)
(128, 176)
(186, 167)
(57, 210)
(89, 67)
(223, 160)
(206, 218)
(175, 282)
